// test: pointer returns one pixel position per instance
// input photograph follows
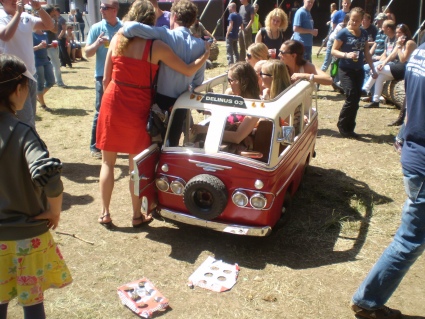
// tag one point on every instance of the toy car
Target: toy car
(201, 180)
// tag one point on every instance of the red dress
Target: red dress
(125, 107)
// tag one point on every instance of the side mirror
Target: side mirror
(287, 135)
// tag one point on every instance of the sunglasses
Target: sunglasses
(249, 56)
(284, 52)
(265, 74)
(104, 8)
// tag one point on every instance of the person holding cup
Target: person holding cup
(97, 43)
(16, 28)
(272, 35)
(351, 74)
(45, 76)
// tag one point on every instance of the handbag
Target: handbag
(155, 125)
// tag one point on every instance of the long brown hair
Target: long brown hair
(280, 76)
(248, 81)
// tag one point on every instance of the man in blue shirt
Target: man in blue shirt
(409, 241)
(97, 43)
(339, 16)
(246, 11)
(172, 84)
(304, 28)
(235, 21)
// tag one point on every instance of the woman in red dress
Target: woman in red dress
(129, 71)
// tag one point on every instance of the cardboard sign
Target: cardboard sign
(142, 297)
(214, 275)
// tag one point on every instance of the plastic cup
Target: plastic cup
(54, 43)
(356, 58)
(272, 53)
(106, 42)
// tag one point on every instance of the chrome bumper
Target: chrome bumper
(221, 227)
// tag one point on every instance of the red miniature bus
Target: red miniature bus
(209, 183)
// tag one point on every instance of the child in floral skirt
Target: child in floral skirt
(30, 202)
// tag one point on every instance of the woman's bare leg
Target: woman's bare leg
(106, 182)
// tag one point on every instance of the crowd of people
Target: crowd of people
(262, 64)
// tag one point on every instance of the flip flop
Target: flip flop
(45, 107)
(107, 224)
(145, 220)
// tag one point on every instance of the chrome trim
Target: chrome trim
(209, 167)
(259, 231)
(259, 195)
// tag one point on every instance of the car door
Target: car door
(143, 177)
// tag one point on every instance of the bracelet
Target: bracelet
(312, 77)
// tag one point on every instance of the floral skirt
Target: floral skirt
(30, 266)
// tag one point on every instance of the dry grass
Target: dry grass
(343, 217)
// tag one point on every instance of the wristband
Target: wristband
(311, 77)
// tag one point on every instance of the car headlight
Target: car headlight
(258, 201)
(162, 183)
(240, 199)
(177, 186)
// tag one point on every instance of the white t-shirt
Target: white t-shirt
(21, 43)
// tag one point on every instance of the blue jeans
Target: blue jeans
(53, 54)
(45, 77)
(400, 136)
(308, 52)
(408, 244)
(232, 50)
(99, 94)
(328, 56)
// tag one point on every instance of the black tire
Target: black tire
(205, 196)
(286, 212)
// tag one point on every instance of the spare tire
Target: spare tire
(205, 196)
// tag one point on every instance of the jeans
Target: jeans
(27, 114)
(45, 77)
(328, 56)
(232, 51)
(408, 244)
(351, 81)
(53, 54)
(99, 94)
(63, 53)
(245, 40)
(81, 26)
(308, 52)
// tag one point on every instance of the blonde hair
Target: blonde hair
(280, 76)
(140, 11)
(259, 51)
(279, 13)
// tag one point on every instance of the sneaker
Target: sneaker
(364, 93)
(366, 99)
(397, 147)
(372, 105)
(96, 154)
(62, 85)
(380, 313)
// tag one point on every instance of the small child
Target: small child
(30, 203)
(72, 45)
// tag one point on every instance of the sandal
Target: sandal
(45, 107)
(108, 223)
(144, 220)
